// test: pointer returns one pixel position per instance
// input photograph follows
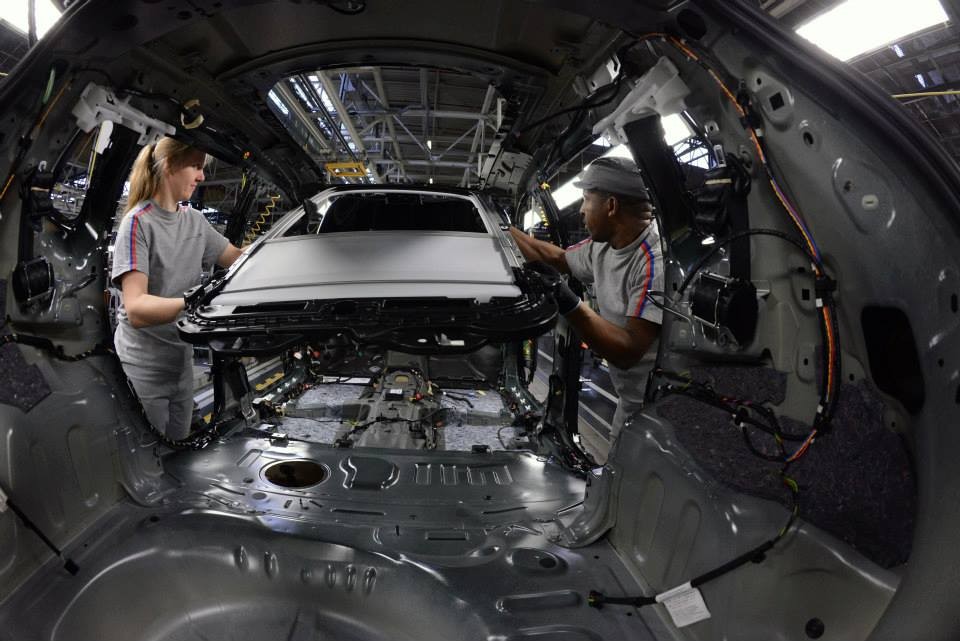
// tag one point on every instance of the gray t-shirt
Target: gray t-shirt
(172, 248)
(621, 279)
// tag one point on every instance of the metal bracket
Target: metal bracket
(99, 104)
(660, 91)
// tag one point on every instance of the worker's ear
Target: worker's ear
(613, 205)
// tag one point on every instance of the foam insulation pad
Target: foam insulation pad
(21, 385)
(856, 482)
(456, 435)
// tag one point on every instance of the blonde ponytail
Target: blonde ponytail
(166, 155)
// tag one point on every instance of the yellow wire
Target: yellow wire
(255, 228)
(924, 94)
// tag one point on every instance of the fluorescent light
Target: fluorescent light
(15, 13)
(431, 181)
(897, 50)
(858, 26)
(430, 144)
(567, 194)
(919, 77)
(675, 129)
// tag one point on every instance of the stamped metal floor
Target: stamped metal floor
(296, 541)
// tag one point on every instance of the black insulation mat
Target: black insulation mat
(21, 385)
(856, 482)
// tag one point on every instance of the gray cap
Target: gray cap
(614, 176)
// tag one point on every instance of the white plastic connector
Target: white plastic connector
(99, 104)
(659, 91)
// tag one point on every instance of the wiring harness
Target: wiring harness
(747, 415)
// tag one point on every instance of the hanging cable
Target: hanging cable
(598, 599)
(753, 133)
(824, 285)
(267, 213)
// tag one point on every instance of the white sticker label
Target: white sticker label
(3, 502)
(685, 605)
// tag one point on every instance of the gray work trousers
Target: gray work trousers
(167, 398)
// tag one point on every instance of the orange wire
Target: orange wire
(50, 107)
(34, 130)
(6, 186)
(753, 135)
(806, 237)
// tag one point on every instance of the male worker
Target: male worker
(623, 260)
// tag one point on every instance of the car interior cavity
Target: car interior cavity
(396, 432)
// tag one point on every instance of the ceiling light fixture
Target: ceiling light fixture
(15, 13)
(855, 27)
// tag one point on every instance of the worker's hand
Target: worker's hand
(567, 301)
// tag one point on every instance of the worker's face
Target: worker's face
(183, 181)
(596, 209)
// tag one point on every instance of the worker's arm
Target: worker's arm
(229, 255)
(623, 347)
(533, 249)
(143, 309)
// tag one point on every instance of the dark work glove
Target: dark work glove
(567, 301)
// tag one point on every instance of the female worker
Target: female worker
(162, 250)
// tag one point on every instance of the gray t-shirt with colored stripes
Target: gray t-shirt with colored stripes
(173, 248)
(621, 279)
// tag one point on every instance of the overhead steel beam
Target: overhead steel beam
(412, 137)
(424, 80)
(333, 93)
(307, 120)
(478, 136)
(428, 163)
(382, 98)
(439, 113)
(307, 86)
(457, 141)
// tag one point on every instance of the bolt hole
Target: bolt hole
(806, 361)
(957, 399)
(759, 81)
(814, 628)
(596, 556)
(154, 518)
(808, 139)
(953, 304)
(940, 362)
(548, 562)
(852, 377)
(848, 186)
(629, 614)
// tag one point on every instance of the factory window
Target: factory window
(401, 212)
